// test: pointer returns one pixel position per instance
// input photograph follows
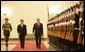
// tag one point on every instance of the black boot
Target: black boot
(6, 44)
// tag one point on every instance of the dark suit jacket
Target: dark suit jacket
(22, 30)
(38, 29)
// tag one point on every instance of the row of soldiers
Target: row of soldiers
(69, 24)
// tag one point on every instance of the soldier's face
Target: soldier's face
(82, 8)
(77, 10)
(6, 20)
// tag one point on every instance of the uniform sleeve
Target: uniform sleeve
(3, 27)
(10, 27)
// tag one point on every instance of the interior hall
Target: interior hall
(42, 25)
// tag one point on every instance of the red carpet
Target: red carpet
(29, 47)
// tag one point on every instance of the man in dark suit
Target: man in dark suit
(38, 31)
(21, 29)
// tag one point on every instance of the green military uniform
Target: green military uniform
(6, 31)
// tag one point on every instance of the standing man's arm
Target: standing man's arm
(3, 27)
(18, 30)
(41, 29)
(25, 30)
(34, 29)
(10, 27)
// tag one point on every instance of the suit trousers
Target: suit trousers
(38, 41)
(22, 40)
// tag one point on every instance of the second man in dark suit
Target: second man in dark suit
(38, 31)
(21, 29)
